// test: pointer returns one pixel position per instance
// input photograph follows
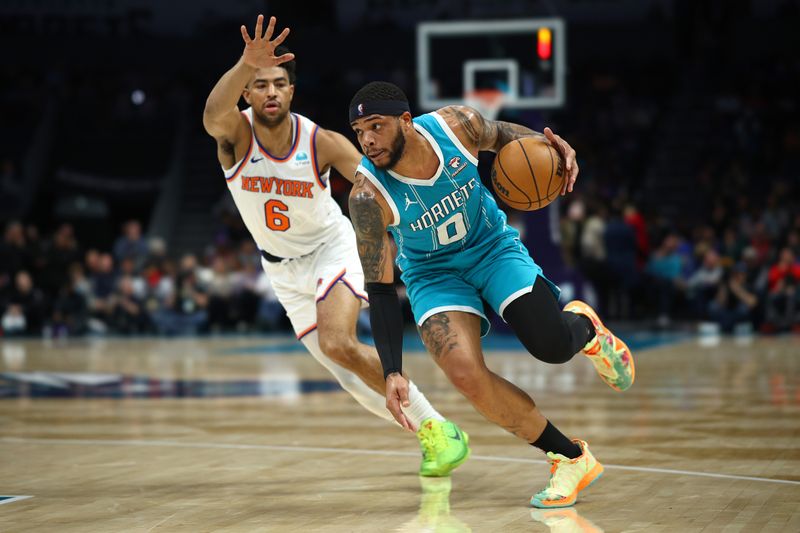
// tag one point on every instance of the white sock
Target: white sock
(420, 408)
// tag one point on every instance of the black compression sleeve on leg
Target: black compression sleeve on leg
(549, 334)
(386, 319)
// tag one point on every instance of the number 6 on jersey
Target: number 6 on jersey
(274, 213)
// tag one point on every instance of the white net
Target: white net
(487, 102)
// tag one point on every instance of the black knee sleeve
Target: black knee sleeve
(549, 334)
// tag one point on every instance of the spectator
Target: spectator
(783, 300)
(220, 292)
(757, 274)
(593, 253)
(131, 244)
(704, 284)
(127, 313)
(665, 267)
(59, 254)
(103, 282)
(620, 238)
(636, 221)
(184, 307)
(734, 302)
(26, 307)
(127, 268)
(14, 253)
(71, 308)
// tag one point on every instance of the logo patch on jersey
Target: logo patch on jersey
(409, 202)
(301, 159)
(456, 163)
(254, 160)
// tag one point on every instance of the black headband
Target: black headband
(378, 107)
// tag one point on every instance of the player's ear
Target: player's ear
(246, 95)
(406, 119)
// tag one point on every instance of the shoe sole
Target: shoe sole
(585, 309)
(452, 466)
(587, 481)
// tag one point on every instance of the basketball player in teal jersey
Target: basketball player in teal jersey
(419, 179)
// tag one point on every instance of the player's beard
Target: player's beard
(396, 151)
(269, 121)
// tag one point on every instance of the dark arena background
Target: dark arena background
(150, 379)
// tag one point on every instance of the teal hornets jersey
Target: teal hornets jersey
(450, 213)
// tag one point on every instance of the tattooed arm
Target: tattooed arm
(478, 134)
(371, 215)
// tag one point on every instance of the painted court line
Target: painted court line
(316, 449)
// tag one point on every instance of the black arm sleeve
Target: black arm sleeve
(387, 325)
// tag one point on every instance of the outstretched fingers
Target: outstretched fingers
(245, 35)
(280, 38)
(284, 58)
(270, 28)
(259, 25)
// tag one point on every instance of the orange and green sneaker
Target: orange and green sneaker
(444, 447)
(567, 478)
(612, 358)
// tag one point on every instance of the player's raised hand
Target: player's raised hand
(259, 52)
(397, 398)
(568, 153)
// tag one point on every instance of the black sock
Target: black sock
(582, 328)
(552, 440)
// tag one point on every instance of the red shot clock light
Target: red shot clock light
(544, 46)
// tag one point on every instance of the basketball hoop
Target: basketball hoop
(487, 101)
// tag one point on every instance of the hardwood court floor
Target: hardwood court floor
(708, 439)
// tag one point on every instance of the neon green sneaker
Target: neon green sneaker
(444, 447)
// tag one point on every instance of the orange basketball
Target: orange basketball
(528, 173)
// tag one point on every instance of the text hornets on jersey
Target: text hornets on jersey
(444, 207)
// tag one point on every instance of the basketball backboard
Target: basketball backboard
(525, 59)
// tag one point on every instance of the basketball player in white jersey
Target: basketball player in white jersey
(277, 165)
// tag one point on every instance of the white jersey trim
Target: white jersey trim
(231, 173)
(511, 298)
(445, 308)
(388, 197)
(454, 139)
(418, 181)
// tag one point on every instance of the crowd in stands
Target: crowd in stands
(737, 271)
(728, 255)
(54, 287)
(745, 274)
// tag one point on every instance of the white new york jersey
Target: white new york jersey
(285, 202)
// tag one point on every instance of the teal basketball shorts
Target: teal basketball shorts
(498, 273)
